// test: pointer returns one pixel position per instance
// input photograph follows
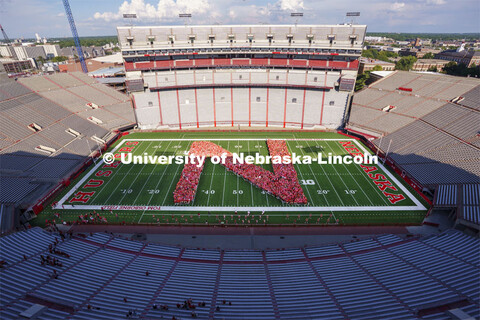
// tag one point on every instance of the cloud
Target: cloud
(165, 9)
(291, 5)
(436, 2)
(213, 11)
(398, 6)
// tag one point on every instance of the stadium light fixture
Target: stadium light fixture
(296, 15)
(352, 15)
(130, 16)
(185, 16)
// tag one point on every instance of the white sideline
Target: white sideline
(231, 209)
(249, 139)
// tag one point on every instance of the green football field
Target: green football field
(143, 193)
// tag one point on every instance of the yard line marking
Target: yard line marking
(298, 170)
(369, 181)
(238, 151)
(330, 181)
(157, 184)
(333, 166)
(251, 185)
(210, 188)
(136, 177)
(326, 175)
(314, 177)
(225, 179)
(355, 180)
(259, 151)
(166, 194)
(119, 184)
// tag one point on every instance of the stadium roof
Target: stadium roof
(114, 58)
(107, 72)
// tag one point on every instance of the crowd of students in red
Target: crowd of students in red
(287, 185)
(282, 183)
(187, 184)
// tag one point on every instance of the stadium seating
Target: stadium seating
(106, 277)
(436, 141)
(282, 106)
(44, 124)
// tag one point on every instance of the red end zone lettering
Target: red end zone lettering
(111, 165)
(102, 173)
(393, 198)
(382, 185)
(92, 183)
(353, 149)
(81, 196)
(368, 169)
(347, 144)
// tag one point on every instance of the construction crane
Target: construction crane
(9, 43)
(68, 11)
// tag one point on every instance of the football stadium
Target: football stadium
(239, 176)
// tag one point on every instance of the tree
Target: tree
(461, 69)
(361, 80)
(377, 68)
(370, 53)
(87, 41)
(405, 63)
(59, 59)
(40, 59)
(428, 55)
(379, 55)
(433, 69)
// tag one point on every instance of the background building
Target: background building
(429, 65)
(367, 64)
(468, 58)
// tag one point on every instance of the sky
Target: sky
(24, 18)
